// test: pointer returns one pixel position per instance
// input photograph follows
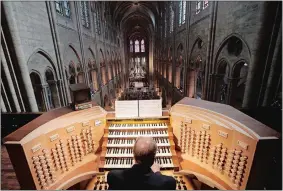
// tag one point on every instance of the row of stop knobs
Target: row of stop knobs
(196, 144)
(44, 170)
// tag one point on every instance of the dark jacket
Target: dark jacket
(139, 178)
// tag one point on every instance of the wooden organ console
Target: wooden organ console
(216, 143)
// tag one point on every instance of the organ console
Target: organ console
(216, 143)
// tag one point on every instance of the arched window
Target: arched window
(142, 46)
(131, 46)
(85, 14)
(171, 18)
(97, 18)
(52, 89)
(205, 4)
(38, 92)
(137, 46)
(198, 3)
(72, 73)
(63, 8)
(165, 25)
(221, 82)
(182, 12)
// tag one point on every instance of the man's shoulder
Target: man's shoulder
(164, 177)
(166, 182)
(115, 174)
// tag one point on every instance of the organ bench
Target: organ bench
(216, 143)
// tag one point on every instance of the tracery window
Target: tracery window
(97, 22)
(205, 4)
(182, 12)
(142, 46)
(171, 18)
(131, 46)
(198, 7)
(137, 46)
(63, 8)
(85, 14)
(165, 26)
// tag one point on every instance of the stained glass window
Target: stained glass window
(142, 46)
(182, 12)
(85, 14)
(171, 18)
(137, 46)
(131, 46)
(198, 7)
(205, 4)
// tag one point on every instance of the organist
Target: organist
(143, 175)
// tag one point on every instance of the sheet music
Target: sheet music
(150, 108)
(126, 109)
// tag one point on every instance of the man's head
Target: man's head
(145, 150)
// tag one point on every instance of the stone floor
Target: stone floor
(8, 177)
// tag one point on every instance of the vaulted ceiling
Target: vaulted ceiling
(135, 17)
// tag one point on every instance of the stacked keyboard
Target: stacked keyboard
(121, 138)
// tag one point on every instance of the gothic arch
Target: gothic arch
(239, 74)
(103, 67)
(224, 42)
(52, 89)
(196, 69)
(92, 70)
(39, 60)
(197, 48)
(221, 78)
(169, 65)
(75, 51)
(237, 54)
(179, 72)
(36, 81)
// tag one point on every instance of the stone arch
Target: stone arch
(92, 70)
(169, 64)
(224, 42)
(103, 67)
(196, 69)
(221, 84)
(39, 61)
(52, 89)
(109, 65)
(113, 64)
(72, 47)
(198, 49)
(239, 75)
(105, 101)
(237, 53)
(179, 74)
(36, 81)
(116, 64)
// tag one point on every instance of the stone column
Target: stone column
(45, 95)
(229, 94)
(9, 80)
(58, 82)
(12, 24)
(3, 107)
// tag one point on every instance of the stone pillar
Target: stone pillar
(9, 80)
(45, 95)
(58, 82)
(3, 107)
(232, 82)
(63, 81)
(12, 24)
